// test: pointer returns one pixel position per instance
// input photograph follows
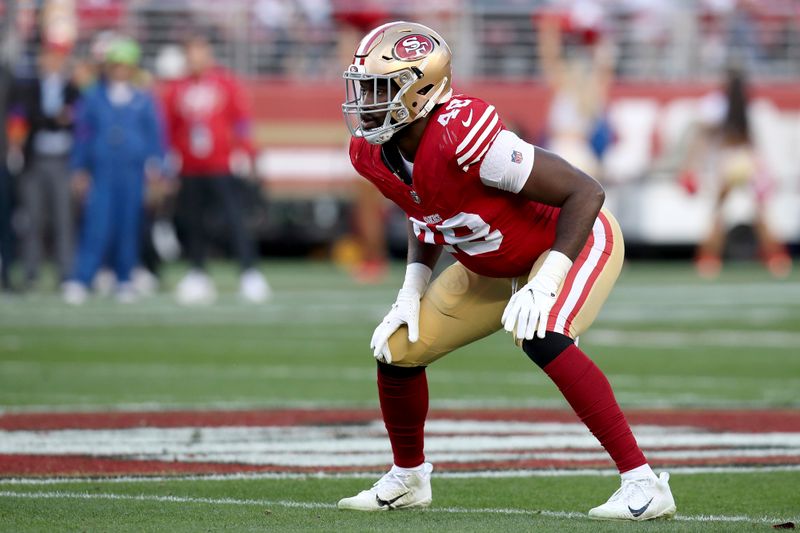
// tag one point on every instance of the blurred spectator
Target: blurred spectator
(656, 30)
(275, 20)
(209, 129)
(6, 183)
(86, 71)
(46, 103)
(315, 27)
(368, 259)
(577, 63)
(119, 140)
(98, 15)
(723, 141)
(354, 20)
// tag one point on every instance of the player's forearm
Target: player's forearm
(420, 252)
(576, 219)
(553, 181)
(422, 258)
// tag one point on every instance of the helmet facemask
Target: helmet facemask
(387, 97)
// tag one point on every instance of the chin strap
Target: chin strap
(434, 99)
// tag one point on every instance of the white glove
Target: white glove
(405, 310)
(529, 308)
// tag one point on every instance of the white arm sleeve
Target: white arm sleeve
(508, 163)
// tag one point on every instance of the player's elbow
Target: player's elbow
(592, 192)
(598, 193)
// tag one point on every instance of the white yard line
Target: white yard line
(320, 505)
(630, 399)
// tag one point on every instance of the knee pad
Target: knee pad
(544, 351)
(399, 371)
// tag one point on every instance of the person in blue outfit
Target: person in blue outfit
(119, 141)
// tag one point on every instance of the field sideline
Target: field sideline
(708, 371)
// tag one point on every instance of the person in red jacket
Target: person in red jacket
(208, 125)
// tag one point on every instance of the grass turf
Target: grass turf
(705, 503)
(664, 338)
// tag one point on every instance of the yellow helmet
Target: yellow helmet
(409, 67)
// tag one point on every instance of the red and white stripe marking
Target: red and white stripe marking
(479, 138)
(369, 40)
(303, 441)
(580, 280)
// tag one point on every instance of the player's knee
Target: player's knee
(405, 353)
(544, 351)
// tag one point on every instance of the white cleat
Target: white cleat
(126, 293)
(638, 499)
(144, 281)
(104, 282)
(196, 288)
(74, 292)
(253, 286)
(397, 489)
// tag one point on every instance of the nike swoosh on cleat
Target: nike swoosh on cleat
(637, 512)
(467, 122)
(388, 503)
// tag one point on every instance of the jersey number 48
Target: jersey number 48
(466, 232)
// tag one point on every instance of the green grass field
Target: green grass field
(665, 339)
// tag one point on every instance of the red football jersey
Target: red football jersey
(490, 231)
(207, 120)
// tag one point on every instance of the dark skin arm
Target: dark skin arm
(420, 252)
(555, 182)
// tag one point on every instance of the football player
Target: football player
(536, 254)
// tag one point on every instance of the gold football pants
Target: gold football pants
(460, 306)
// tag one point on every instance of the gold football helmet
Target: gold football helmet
(400, 71)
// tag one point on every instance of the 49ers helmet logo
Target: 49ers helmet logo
(413, 47)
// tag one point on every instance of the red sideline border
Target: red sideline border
(742, 421)
(748, 421)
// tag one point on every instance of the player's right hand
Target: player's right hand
(404, 311)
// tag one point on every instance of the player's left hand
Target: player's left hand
(529, 308)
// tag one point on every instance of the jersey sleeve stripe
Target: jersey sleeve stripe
(483, 150)
(475, 129)
(489, 129)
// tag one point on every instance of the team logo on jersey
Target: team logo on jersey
(415, 197)
(516, 157)
(412, 47)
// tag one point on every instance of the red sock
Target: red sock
(403, 393)
(587, 390)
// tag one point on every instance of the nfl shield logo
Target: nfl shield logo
(516, 157)
(415, 197)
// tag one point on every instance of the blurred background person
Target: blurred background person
(722, 143)
(577, 64)
(209, 129)
(6, 181)
(119, 140)
(47, 104)
(368, 263)
(88, 69)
